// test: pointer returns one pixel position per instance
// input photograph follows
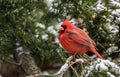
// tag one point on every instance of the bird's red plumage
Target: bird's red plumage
(76, 40)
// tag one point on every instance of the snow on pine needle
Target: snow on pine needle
(40, 25)
(52, 30)
(44, 36)
(115, 3)
(103, 66)
(112, 49)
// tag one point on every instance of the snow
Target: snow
(19, 49)
(116, 12)
(102, 65)
(52, 30)
(88, 71)
(45, 36)
(63, 68)
(49, 3)
(40, 25)
(93, 56)
(118, 20)
(100, 7)
(73, 21)
(114, 3)
(110, 75)
(56, 40)
(45, 72)
(79, 60)
(112, 28)
(111, 65)
(17, 44)
(16, 11)
(111, 49)
(36, 35)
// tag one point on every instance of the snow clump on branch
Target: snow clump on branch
(102, 65)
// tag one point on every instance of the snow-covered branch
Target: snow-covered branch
(69, 62)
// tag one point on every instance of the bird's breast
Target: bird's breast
(70, 45)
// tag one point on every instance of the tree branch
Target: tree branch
(63, 68)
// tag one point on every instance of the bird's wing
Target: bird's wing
(80, 37)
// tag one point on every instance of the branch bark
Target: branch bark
(27, 62)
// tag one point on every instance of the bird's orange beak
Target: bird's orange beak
(61, 28)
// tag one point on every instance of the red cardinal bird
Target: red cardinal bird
(75, 40)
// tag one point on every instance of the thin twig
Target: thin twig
(81, 69)
(74, 71)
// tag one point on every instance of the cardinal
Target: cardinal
(76, 40)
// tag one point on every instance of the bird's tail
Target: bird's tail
(96, 53)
